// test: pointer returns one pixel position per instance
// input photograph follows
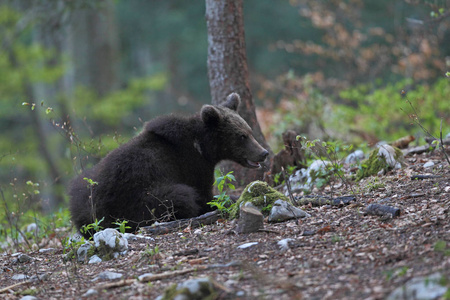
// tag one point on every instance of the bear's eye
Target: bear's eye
(243, 137)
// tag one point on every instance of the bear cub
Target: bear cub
(167, 171)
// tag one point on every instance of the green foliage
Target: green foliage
(90, 182)
(223, 201)
(93, 227)
(150, 252)
(383, 112)
(441, 246)
(122, 225)
(277, 177)
(326, 151)
(114, 107)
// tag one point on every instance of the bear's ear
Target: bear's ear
(233, 101)
(210, 115)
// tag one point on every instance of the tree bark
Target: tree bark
(228, 72)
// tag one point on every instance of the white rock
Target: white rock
(284, 244)
(19, 277)
(32, 227)
(420, 288)
(82, 251)
(90, 292)
(107, 275)
(22, 258)
(196, 286)
(282, 211)
(145, 276)
(94, 259)
(247, 245)
(47, 250)
(113, 239)
(428, 164)
(354, 157)
(388, 152)
(29, 297)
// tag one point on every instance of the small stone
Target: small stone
(82, 252)
(110, 244)
(39, 277)
(19, 277)
(247, 245)
(250, 220)
(32, 227)
(428, 164)
(354, 157)
(76, 237)
(144, 276)
(282, 211)
(90, 292)
(428, 287)
(29, 297)
(240, 294)
(107, 275)
(47, 250)
(284, 244)
(22, 258)
(94, 259)
(198, 288)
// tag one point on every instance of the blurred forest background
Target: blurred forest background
(79, 77)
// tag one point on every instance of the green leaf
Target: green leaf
(440, 246)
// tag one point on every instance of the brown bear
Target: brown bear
(167, 171)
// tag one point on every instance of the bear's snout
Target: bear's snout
(264, 155)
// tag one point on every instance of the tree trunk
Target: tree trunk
(94, 47)
(228, 72)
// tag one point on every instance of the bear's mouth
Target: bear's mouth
(253, 164)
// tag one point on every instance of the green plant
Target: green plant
(414, 116)
(151, 252)
(330, 153)
(122, 226)
(223, 201)
(93, 227)
(441, 246)
(373, 109)
(277, 177)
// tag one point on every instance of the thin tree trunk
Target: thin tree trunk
(228, 71)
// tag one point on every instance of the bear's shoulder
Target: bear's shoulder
(174, 128)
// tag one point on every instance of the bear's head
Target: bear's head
(232, 136)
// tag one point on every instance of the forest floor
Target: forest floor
(337, 253)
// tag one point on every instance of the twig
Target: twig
(165, 275)
(205, 219)
(288, 185)
(442, 144)
(3, 290)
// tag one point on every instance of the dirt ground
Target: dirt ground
(337, 253)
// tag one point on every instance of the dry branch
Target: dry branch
(165, 275)
(317, 200)
(382, 210)
(205, 219)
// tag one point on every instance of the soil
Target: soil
(337, 253)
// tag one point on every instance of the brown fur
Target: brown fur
(167, 171)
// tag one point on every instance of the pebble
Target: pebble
(19, 277)
(428, 164)
(94, 259)
(107, 275)
(90, 292)
(247, 245)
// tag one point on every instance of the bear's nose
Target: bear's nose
(265, 154)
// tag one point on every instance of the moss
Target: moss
(260, 194)
(206, 292)
(105, 252)
(375, 163)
